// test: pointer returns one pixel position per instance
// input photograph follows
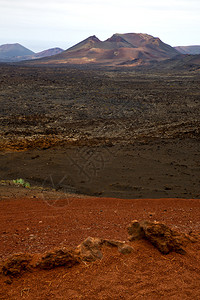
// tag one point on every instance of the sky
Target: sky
(44, 24)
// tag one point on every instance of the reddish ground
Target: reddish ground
(38, 224)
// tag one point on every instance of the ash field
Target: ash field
(101, 132)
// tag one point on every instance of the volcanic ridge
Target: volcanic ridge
(130, 49)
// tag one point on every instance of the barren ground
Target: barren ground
(40, 224)
(105, 133)
(77, 134)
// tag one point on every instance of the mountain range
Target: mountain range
(129, 49)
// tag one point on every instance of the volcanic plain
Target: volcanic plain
(106, 133)
(98, 149)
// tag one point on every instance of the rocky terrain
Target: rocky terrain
(114, 263)
(105, 133)
(179, 63)
(83, 153)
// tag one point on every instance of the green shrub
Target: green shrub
(22, 182)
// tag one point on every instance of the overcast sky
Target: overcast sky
(43, 24)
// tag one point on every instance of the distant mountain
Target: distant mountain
(130, 48)
(11, 51)
(188, 49)
(48, 52)
(17, 52)
(42, 54)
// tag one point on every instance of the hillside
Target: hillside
(182, 62)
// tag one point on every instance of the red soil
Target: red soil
(34, 225)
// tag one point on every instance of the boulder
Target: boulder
(16, 264)
(90, 249)
(160, 235)
(135, 231)
(58, 257)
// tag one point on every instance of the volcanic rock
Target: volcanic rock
(161, 236)
(90, 249)
(16, 264)
(57, 258)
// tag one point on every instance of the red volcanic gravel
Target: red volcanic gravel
(36, 225)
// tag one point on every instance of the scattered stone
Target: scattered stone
(32, 237)
(151, 214)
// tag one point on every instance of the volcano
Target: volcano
(120, 49)
(9, 52)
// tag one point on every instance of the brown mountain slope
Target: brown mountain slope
(120, 48)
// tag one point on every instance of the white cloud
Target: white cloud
(65, 22)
